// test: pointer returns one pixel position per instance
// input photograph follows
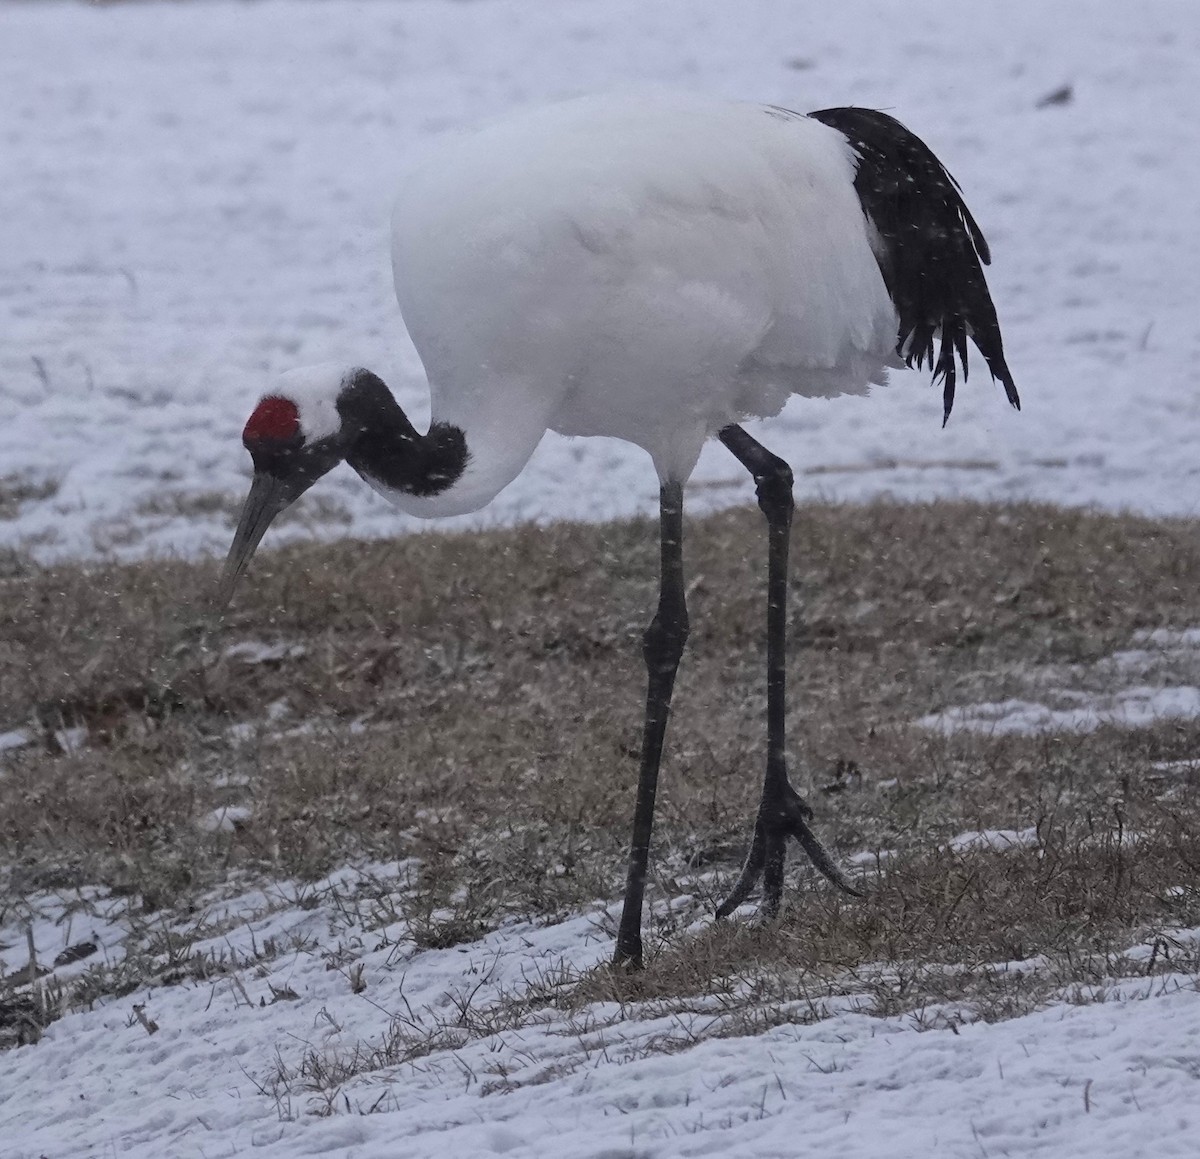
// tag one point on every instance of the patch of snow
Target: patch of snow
(1165, 941)
(226, 819)
(1128, 708)
(1159, 694)
(16, 739)
(1180, 638)
(867, 857)
(58, 921)
(244, 732)
(1189, 765)
(1159, 645)
(255, 652)
(999, 840)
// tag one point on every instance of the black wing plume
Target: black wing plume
(933, 249)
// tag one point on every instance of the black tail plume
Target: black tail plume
(932, 251)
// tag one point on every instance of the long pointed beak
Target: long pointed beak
(268, 497)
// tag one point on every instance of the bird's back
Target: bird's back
(659, 264)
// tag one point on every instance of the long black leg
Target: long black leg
(662, 646)
(782, 812)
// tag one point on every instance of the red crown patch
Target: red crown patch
(274, 419)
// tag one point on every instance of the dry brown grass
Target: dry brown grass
(472, 701)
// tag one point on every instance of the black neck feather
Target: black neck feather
(386, 447)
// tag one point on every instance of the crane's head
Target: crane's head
(295, 434)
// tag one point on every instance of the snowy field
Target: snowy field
(1072, 1081)
(195, 197)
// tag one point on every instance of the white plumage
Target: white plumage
(655, 267)
(650, 266)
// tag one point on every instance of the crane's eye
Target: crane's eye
(275, 420)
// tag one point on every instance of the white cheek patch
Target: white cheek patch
(314, 390)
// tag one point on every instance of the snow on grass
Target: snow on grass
(1129, 708)
(225, 819)
(1188, 765)
(1185, 639)
(15, 739)
(257, 652)
(997, 840)
(64, 930)
(322, 1028)
(1083, 710)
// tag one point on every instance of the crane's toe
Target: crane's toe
(783, 813)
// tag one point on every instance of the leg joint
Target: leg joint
(773, 483)
(772, 476)
(664, 639)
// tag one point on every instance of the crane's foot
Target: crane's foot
(783, 813)
(628, 954)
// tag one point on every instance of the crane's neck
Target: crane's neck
(458, 466)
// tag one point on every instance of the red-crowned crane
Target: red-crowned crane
(657, 267)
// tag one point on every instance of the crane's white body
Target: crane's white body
(650, 266)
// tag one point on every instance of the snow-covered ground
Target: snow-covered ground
(195, 196)
(214, 1068)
